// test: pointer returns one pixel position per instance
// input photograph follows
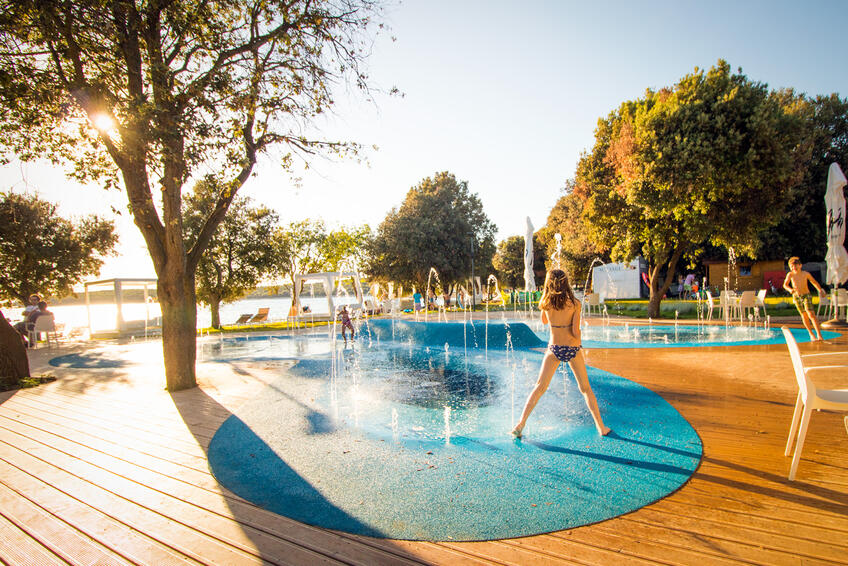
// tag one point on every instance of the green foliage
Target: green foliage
(307, 247)
(240, 252)
(344, 249)
(508, 262)
(801, 231)
(41, 252)
(710, 160)
(433, 227)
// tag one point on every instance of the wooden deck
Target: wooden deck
(104, 467)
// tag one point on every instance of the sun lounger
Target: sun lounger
(243, 319)
(260, 316)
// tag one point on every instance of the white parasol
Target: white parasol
(529, 277)
(834, 200)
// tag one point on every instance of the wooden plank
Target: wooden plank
(63, 540)
(57, 505)
(172, 533)
(17, 548)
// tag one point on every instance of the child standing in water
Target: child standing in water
(346, 323)
(561, 310)
(796, 284)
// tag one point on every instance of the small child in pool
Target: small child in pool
(561, 309)
(346, 323)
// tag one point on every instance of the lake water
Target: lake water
(104, 316)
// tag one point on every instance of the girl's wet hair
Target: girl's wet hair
(557, 291)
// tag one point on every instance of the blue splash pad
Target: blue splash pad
(87, 361)
(344, 441)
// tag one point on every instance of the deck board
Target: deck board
(105, 466)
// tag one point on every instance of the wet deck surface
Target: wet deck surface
(104, 466)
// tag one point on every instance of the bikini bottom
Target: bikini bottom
(564, 353)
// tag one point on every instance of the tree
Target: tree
(344, 248)
(508, 262)
(434, 227)
(41, 252)
(578, 250)
(711, 159)
(802, 231)
(299, 248)
(239, 253)
(146, 94)
(14, 363)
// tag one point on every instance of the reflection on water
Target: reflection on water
(433, 381)
(677, 334)
(668, 334)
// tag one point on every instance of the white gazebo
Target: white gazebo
(123, 326)
(330, 279)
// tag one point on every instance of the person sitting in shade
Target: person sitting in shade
(26, 326)
(796, 284)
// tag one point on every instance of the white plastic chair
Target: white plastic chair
(826, 302)
(809, 397)
(592, 300)
(761, 300)
(747, 302)
(44, 324)
(727, 301)
(710, 305)
(841, 302)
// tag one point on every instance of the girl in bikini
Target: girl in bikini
(561, 310)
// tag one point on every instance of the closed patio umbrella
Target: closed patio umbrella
(837, 257)
(529, 276)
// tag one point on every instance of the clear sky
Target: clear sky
(506, 95)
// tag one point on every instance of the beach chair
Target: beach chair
(809, 396)
(243, 319)
(44, 324)
(260, 316)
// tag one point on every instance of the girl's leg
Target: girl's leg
(546, 373)
(578, 366)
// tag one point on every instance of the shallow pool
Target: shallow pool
(394, 436)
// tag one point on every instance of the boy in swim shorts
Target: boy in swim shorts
(796, 284)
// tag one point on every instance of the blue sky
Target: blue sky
(506, 95)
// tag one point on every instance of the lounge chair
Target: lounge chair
(809, 396)
(43, 324)
(260, 316)
(243, 319)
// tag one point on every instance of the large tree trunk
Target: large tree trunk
(13, 357)
(658, 290)
(179, 329)
(215, 308)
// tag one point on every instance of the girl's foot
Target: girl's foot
(516, 432)
(604, 430)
